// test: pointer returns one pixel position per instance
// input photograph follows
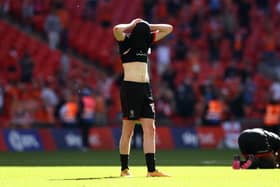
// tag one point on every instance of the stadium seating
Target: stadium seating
(89, 39)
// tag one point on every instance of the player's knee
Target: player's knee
(126, 136)
(150, 131)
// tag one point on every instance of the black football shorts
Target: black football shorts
(136, 100)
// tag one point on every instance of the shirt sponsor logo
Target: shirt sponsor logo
(140, 53)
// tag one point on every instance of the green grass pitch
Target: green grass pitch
(188, 168)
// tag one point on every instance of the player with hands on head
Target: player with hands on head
(135, 40)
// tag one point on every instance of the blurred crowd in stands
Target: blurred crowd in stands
(221, 62)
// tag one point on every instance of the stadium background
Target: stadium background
(225, 49)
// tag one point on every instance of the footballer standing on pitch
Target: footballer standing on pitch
(260, 148)
(135, 39)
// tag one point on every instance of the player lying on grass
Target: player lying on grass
(260, 148)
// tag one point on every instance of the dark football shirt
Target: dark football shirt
(130, 53)
(258, 141)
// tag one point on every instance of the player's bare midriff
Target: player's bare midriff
(136, 72)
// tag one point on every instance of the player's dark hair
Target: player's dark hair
(141, 36)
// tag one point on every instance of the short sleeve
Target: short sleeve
(124, 41)
(123, 45)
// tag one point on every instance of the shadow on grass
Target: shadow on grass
(86, 178)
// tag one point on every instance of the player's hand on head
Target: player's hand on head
(137, 20)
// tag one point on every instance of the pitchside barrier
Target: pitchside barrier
(105, 138)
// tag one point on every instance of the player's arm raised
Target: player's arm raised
(120, 29)
(162, 30)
